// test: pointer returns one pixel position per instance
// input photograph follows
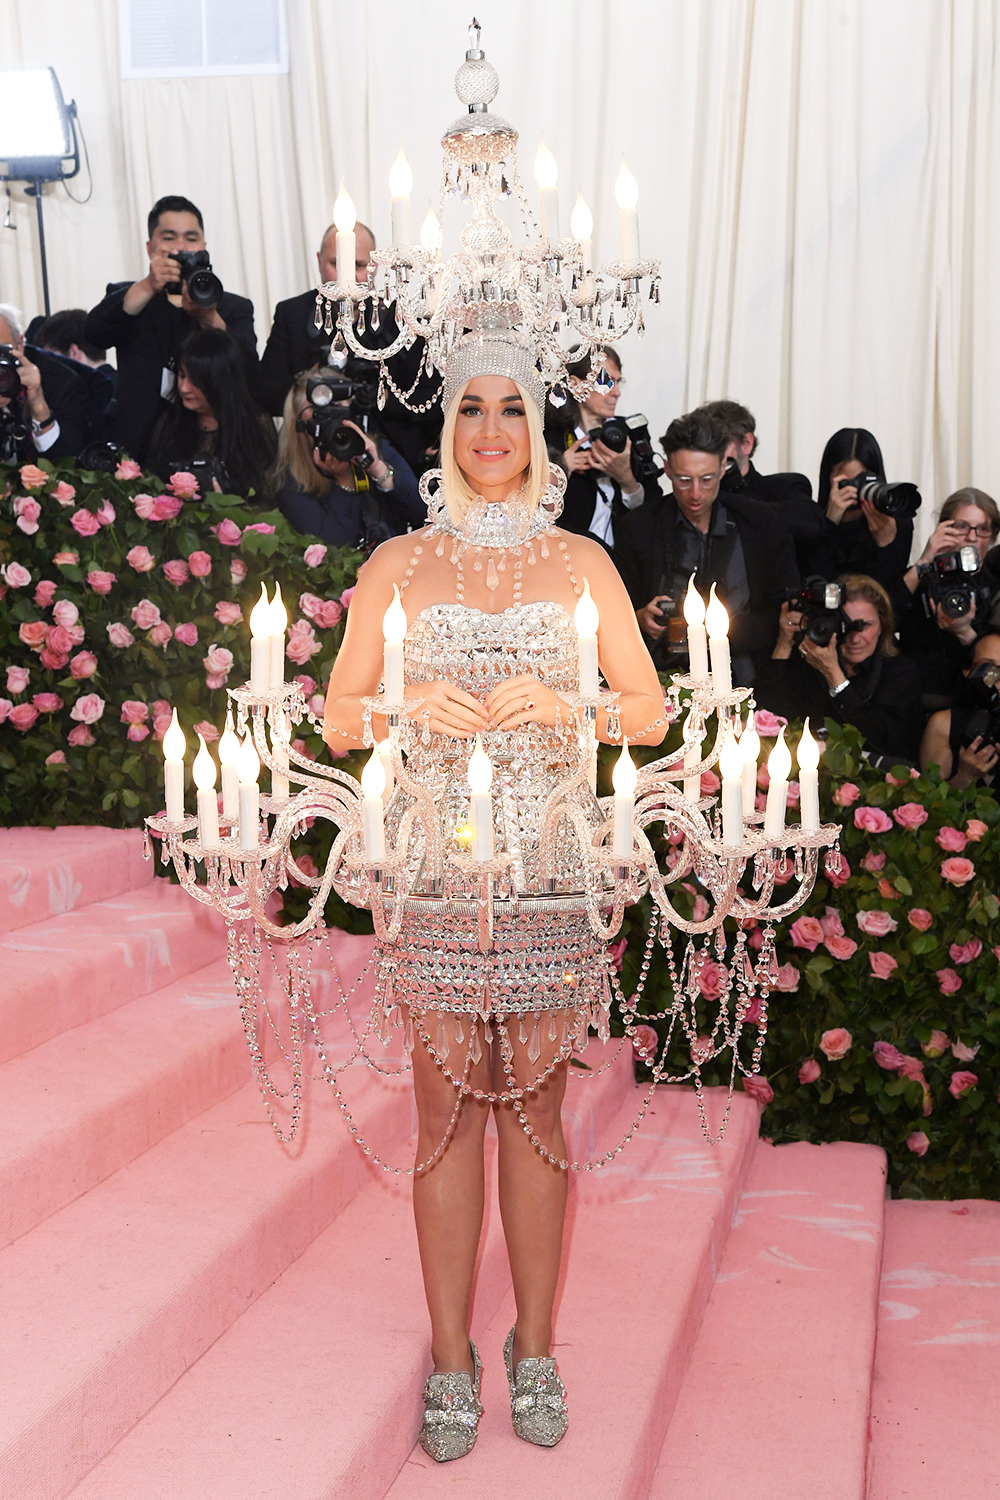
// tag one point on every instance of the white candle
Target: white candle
(717, 621)
(208, 802)
(279, 754)
(547, 175)
(385, 751)
(277, 625)
(808, 759)
(394, 633)
(623, 779)
(260, 644)
(581, 227)
(430, 231)
(694, 614)
(481, 803)
(248, 766)
(586, 619)
(345, 217)
(627, 196)
(400, 186)
(779, 763)
(229, 749)
(750, 748)
(372, 816)
(731, 766)
(174, 745)
(692, 758)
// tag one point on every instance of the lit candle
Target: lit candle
(372, 819)
(174, 745)
(229, 749)
(385, 750)
(808, 759)
(279, 754)
(481, 809)
(547, 175)
(345, 217)
(694, 614)
(586, 619)
(750, 746)
(692, 758)
(394, 633)
(627, 196)
(260, 644)
(623, 779)
(248, 767)
(731, 766)
(277, 624)
(779, 763)
(581, 227)
(208, 803)
(430, 231)
(400, 186)
(717, 621)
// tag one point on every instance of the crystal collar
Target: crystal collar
(503, 526)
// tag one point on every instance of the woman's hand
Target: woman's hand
(524, 700)
(943, 538)
(840, 501)
(578, 459)
(825, 659)
(789, 625)
(960, 627)
(378, 468)
(448, 710)
(882, 527)
(974, 761)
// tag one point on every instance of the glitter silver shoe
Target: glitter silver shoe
(537, 1398)
(452, 1409)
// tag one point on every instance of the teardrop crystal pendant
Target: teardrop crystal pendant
(382, 396)
(557, 396)
(535, 1045)
(604, 383)
(373, 322)
(492, 576)
(318, 319)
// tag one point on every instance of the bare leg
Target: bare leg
(532, 1191)
(448, 1197)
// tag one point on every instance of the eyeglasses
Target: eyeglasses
(964, 529)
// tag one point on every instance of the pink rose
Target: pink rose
(792, 794)
(106, 513)
(302, 643)
(64, 493)
(57, 758)
(873, 862)
(100, 582)
(200, 564)
(141, 559)
(616, 951)
(806, 932)
(5, 708)
(145, 506)
(768, 724)
(184, 485)
(951, 840)
(911, 1067)
(872, 820)
(788, 979)
(84, 523)
(700, 909)
(961, 1053)
(76, 633)
(120, 635)
(228, 533)
(128, 469)
(58, 638)
(710, 783)
(16, 576)
(145, 614)
(65, 613)
(831, 924)
(227, 613)
(32, 477)
(209, 732)
(329, 614)
(711, 979)
(974, 830)
(313, 556)
(882, 964)
(22, 716)
(961, 1084)
(218, 664)
(958, 871)
(910, 815)
(643, 1037)
(887, 1056)
(45, 591)
(137, 732)
(161, 723)
(317, 704)
(237, 570)
(757, 1087)
(847, 795)
(876, 923)
(836, 1044)
(919, 918)
(917, 1142)
(32, 633)
(161, 634)
(176, 572)
(347, 596)
(306, 683)
(53, 661)
(309, 604)
(47, 703)
(186, 634)
(754, 1012)
(702, 1049)
(264, 527)
(809, 1071)
(841, 947)
(88, 709)
(81, 735)
(27, 513)
(134, 711)
(838, 871)
(937, 1044)
(166, 507)
(949, 981)
(17, 679)
(83, 664)
(964, 953)
(756, 939)
(66, 559)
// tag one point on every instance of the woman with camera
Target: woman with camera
(354, 498)
(962, 741)
(212, 426)
(843, 664)
(857, 536)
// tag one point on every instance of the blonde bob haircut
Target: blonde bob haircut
(458, 493)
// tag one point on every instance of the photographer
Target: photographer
(740, 545)
(211, 426)
(62, 334)
(147, 320)
(962, 741)
(334, 480)
(43, 399)
(836, 657)
(857, 535)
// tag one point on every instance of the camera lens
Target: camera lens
(204, 288)
(821, 630)
(10, 380)
(956, 602)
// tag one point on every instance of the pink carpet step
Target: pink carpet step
(47, 871)
(314, 1392)
(937, 1358)
(645, 1239)
(775, 1400)
(65, 970)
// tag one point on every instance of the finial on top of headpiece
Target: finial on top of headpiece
(475, 31)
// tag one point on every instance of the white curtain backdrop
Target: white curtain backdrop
(821, 179)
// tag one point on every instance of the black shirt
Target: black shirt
(350, 518)
(882, 699)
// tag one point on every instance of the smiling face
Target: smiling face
(861, 644)
(492, 438)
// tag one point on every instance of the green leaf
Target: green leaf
(903, 885)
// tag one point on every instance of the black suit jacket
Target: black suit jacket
(145, 344)
(581, 499)
(77, 397)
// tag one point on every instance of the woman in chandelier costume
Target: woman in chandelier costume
(489, 589)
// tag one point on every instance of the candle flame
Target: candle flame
(716, 617)
(808, 750)
(345, 215)
(247, 762)
(750, 742)
(174, 743)
(731, 758)
(260, 616)
(546, 166)
(229, 745)
(203, 769)
(279, 614)
(779, 762)
(585, 616)
(581, 220)
(373, 776)
(430, 230)
(394, 620)
(400, 176)
(480, 769)
(694, 605)
(624, 775)
(626, 188)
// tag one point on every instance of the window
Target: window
(202, 38)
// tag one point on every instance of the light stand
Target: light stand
(37, 139)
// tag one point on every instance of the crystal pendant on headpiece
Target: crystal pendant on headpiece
(604, 383)
(338, 351)
(557, 396)
(380, 399)
(318, 319)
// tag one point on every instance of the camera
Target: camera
(203, 286)
(616, 432)
(13, 435)
(821, 606)
(205, 469)
(99, 458)
(899, 499)
(982, 691)
(10, 373)
(335, 401)
(953, 580)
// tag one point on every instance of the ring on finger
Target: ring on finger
(529, 704)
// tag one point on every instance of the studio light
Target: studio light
(38, 139)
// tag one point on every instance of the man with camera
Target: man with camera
(147, 320)
(740, 545)
(964, 741)
(43, 400)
